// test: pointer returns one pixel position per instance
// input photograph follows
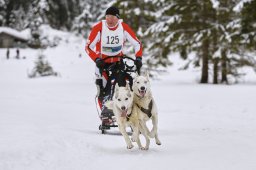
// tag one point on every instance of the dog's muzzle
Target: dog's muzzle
(124, 111)
(142, 91)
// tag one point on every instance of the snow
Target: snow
(43, 5)
(137, 11)
(162, 26)
(14, 32)
(215, 3)
(217, 53)
(240, 5)
(2, 2)
(51, 122)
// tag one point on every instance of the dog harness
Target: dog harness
(128, 117)
(147, 111)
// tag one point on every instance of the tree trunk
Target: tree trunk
(215, 70)
(205, 58)
(224, 78)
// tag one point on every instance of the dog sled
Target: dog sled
(119, 72)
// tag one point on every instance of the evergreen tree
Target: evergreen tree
(212, 31)
(2, 12)
(16, 11)
(230, 47)
(82, 22)
(131, 13)
(97, 9)
(91, 12)
(248, 22)
(187, 27)
(159, 33)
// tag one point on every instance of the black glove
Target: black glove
(138, 62)
(100, 63)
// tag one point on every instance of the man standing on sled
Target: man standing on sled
(106, 39)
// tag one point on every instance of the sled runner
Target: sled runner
(119, 72)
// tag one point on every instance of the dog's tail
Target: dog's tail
(109, 104)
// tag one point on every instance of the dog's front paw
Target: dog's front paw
(143, 148)
(158, 142)
(130, 146)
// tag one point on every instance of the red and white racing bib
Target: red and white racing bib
(112, 41)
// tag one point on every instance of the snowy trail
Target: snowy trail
(51, 123)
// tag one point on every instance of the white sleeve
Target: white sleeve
(94, 42)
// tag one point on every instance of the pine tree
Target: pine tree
(42, 68)
(15, 13)
(248, 22)
(91, 12)
(230, 46)
(187, 27)
(201, 26)
(83, 22)
(2, 12)
(97, 9)
(159, 33)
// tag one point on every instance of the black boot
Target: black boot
(99, 85)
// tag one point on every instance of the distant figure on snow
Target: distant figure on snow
(8, 54)
(18, 54)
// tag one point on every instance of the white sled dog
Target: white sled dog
(122, 108)
(145, 107)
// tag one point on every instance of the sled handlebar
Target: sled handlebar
(122, 57)
(127, 67)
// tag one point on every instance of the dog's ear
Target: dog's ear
(147, 74)
(135, 79)
(130, 94)
(137, 74)
(116, 94)
(127, 86)
(116, 90)
(116, 87)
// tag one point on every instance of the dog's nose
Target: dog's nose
(123, 107)
(142, 88)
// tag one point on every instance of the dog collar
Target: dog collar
(128, 117)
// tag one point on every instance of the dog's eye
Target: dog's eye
(138, 82)
(126, 98)
(119, 100)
